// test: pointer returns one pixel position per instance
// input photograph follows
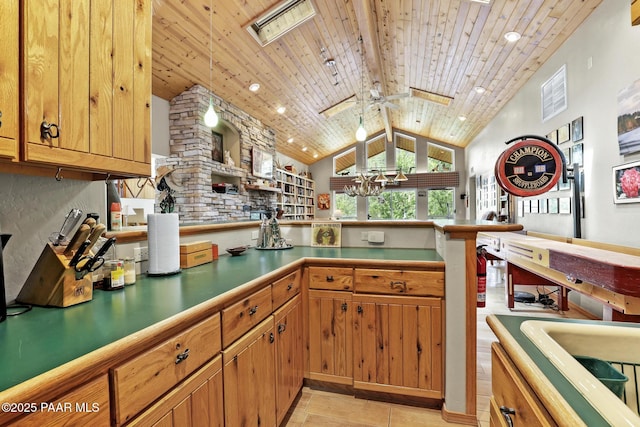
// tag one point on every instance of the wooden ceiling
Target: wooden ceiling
(444, 47)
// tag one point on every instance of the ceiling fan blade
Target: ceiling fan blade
(391, 105)
(374, 93)
(341, 106)
(397, 96)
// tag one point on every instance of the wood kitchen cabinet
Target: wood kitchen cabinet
(9, 43)
(249, 374)
(397, 345)
(330, 336)
(196, 402)
(513, 403)
(289, 355)
(86, 73)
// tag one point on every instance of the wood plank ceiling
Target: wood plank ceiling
(446, 47)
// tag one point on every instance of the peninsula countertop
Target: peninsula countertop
(46, 338)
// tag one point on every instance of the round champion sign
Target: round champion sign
(528, 168)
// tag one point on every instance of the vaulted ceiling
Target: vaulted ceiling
(436, 49)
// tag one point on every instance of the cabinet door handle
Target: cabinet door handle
(281, 328)
(360, 310)
(0, 118)
(182, 356)
(272, 338)
(49, 130)
(400, 284)
(344, 306)
(290, 286)
(329, 278)
(506, 413)
(253, 310)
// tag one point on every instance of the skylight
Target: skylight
(280, 20)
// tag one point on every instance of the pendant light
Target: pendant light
(361, 133)
(210, 117)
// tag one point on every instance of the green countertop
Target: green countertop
(45, 338)
(571, 395)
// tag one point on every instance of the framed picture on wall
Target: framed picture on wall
(553, 205)
(626, 183)
(326, 234)
(576, 154)
(564, 205)
(542, 206)
(563, 133)
(217, 151)
(553, 136)
(578, 134)
(261, 163)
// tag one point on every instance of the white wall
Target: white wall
(608, 38)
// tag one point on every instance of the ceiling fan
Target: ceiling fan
(376, 99)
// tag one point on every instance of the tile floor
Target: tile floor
(321, 408)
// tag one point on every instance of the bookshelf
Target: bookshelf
(297, 195)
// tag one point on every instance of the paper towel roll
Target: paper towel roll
(163, 234)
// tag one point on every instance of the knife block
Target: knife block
(53, 283)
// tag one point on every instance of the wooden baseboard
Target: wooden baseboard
(457, 417)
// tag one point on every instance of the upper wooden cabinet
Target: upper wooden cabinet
(9, 79)
(86, 74)
(635, 12)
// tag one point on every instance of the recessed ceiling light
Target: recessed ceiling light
(254, 87)
(281, 110)
(315, 155)
(462, 118)
(290, 140)
(512, 36)
(479, 89)
(304, 148)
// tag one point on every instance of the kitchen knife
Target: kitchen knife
(78, 255)
(96, 232)
(81, 235)
(91, 222)
(70, 222)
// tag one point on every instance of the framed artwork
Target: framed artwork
(564, 185)
(567, 155)
(564, 205)
(261, 163)
(326, 234)
(520, 208)
(534, 206)
(628, 124)
(542, 206)
(526, 206)
(563, 133)
(576, 154)
(217, 151)
(324, 201)
(577, 134)
(626, 183)
(553, 136)
(553, 205)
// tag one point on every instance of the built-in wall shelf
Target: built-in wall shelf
(262, 188)
(297, 197)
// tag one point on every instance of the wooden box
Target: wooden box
(53, 283)
(195, 253)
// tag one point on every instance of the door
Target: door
(330, 336)
(249, 378)
(289, 355)
(398, 342)
(9, 79)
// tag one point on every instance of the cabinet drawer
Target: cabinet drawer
(146, 377)
(283, 289)
(511, 390)
(403, 282)
(244, 315)
(331, 278)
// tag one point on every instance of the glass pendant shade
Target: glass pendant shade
(381, 178)
(400, 177)
(210, 117)
(361, 133)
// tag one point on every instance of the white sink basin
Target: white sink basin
(560, 341)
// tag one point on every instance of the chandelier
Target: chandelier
(371, 185)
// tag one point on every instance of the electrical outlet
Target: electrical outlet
(141, 254)
(254, 235)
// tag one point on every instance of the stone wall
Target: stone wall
(191, 160)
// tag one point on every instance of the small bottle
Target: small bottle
(129, 265)
(116, 216)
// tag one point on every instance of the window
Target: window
(345, 163)
(393, 204)
(440, 203)
(376, 153)
(405, 153)
(440, 159)
(348, 206)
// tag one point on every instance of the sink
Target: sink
(619, 345)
